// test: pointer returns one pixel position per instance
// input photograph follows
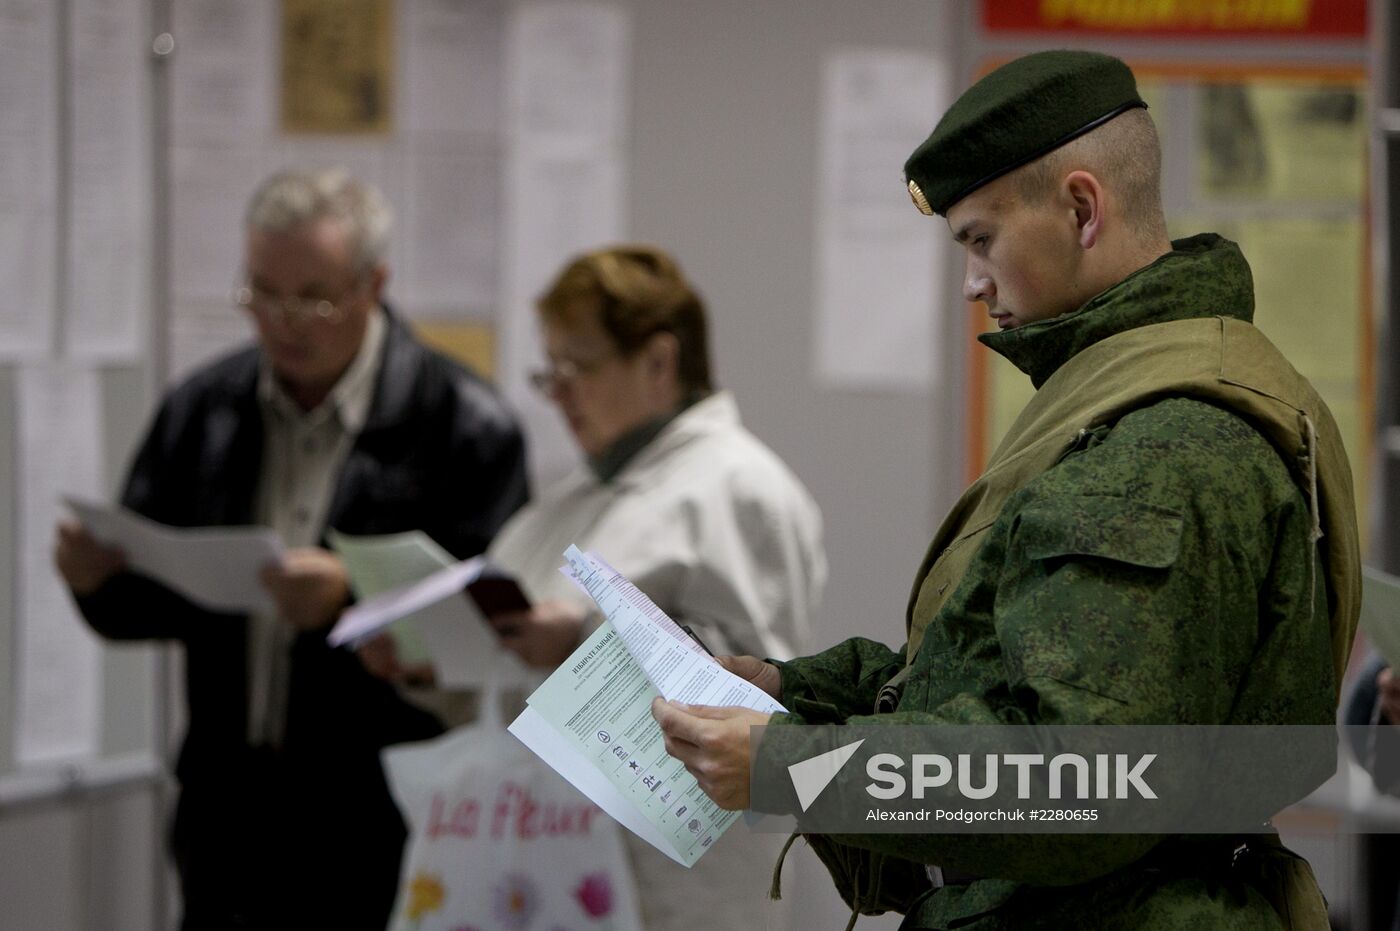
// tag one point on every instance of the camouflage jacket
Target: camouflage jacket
(1162, 571)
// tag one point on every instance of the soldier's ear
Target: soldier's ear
(1084, 195)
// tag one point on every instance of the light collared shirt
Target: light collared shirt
(303, 452)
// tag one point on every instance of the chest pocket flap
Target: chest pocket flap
(1106, 526)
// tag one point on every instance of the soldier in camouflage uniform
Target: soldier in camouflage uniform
(1167, 535)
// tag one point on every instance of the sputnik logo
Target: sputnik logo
(812, 776)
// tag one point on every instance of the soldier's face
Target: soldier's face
(1021, 257)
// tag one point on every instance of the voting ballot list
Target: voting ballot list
(591, 720)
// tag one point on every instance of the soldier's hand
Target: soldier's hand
(762, 674)
(1389, 687)
(310, 587)
(84, 563)
(713, 743)
(543, 636)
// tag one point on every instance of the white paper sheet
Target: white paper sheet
(58, 663)
(210, 187)
(224, 72)
(674, 662)
(450, 73)
(380, 562)
(879, 261)
(598, 703)
(109, 230)
(560, 206)
(567, 70)
(566, 78)
(214, 567)
(540, 736)
(455, 636)
(28, 176)
(374, 614)
(451, 231)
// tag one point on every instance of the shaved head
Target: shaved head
(1124, 154)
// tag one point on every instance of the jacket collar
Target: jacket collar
(607, 464)
(350, 398)
(1203, 276)
(396, 389)
(710, 414)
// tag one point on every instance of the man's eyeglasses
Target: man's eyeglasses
(293, 311)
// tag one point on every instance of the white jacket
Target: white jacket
(705, 519)
(713, 526)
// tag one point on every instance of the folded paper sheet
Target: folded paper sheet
(445, 626)
(591, 720)
(382, 562)
(215, 567)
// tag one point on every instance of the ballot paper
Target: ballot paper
(381, 562)
(444, 622)
(217, 568)
(1380, 611)
(591, 720)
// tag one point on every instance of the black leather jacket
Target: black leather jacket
(439, 452)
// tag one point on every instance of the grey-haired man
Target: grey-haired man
(337, 418)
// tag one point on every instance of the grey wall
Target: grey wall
(724, 155)
(723, 172)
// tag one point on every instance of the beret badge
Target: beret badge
(916, 194)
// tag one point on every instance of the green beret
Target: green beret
(1014, 115)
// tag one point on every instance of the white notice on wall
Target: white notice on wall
(109, 191)
(451, 224)
(224, 75)
(879, 281)
(210, 188)
(28, 176)
(58, 663)
(561, 206)
(564, 183)
(450, 72)
(567, 70)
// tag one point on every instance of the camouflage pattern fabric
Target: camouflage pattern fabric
(1161, 570)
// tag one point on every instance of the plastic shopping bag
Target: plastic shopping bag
(499, 842)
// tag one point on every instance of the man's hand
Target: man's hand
(310, 586)
(84, 563)
(543, 636)
(762, 674)
(713, 743)
(1389, 687)
(380, 657)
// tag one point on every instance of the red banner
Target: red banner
(1319, 19)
